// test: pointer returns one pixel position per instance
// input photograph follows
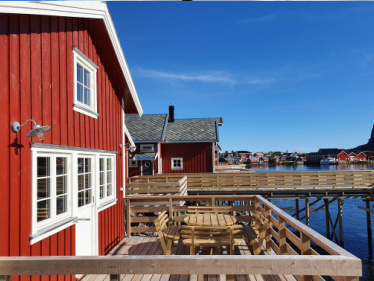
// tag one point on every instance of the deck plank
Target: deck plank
(150, 245)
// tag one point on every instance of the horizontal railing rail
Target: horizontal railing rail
(178, 186)
(314, 180)
(346, 267)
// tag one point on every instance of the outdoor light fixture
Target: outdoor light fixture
(130, 147)
(36, 131)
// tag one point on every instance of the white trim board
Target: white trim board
(78, 9)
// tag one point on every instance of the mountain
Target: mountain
(369, 146)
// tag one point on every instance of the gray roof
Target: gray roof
(145, 156)
(147, 128)
(199, 130)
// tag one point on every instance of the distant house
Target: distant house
(343, 156)
(222, 162)
(361, 156)
(168, 145)
(352, 156)
(316, 157)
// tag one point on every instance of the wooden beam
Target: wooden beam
(238, 265)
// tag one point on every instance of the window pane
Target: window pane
(80, 182)
(61, 166)
(79, 73)
(88, 196)
(86, 96)
(101, 164)
(109, 164)
(101, 178)
(80, 165)
(109, 190)
(87, 168)
(61, 185)
(80, 198)
(86, 78)
(43, 188)
(61, 204)
(79, 92)
(109, 177)
(43, 166)
(87, 181)
(43, 210)
(101, 192)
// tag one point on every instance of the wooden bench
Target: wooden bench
(210, 236)
(167, 234)
(209, 209)
(255, 233)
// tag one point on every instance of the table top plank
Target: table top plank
(210, 220)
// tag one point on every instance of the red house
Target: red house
(352, 156)
(61, 190)
(361, 156)
(343, 156)
(168, 145)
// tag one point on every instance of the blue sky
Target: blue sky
(283, 75)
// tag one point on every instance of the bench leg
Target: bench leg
(192, 250)
(169, 246)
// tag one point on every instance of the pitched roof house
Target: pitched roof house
(61, 190)
(168, 145)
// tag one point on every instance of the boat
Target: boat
(328, 161)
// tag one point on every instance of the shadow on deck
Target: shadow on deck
(138, 245)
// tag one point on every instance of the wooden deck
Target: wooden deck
(138, 245)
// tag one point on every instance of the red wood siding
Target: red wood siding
(36, 77)
(197, 157)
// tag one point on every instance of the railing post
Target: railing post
(282, 236)
(268, 231)
(307, 213)
(305, 248)
(5, 277)
(114, 277)
(128, 218)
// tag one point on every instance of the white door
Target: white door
(86, 230)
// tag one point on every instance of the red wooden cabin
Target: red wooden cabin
(343, 156)
(361, 156)
(62, 66)
(168, 145)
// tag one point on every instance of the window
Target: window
(146, 148)
(85, 96)
(177, 163)
(85, 183)
(52, 189)
(64, 182)
(106, 177)
(133, 163)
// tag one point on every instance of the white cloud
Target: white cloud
(264, 18)
(260, 81)
(219, 77)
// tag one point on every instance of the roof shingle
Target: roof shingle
(148, 127)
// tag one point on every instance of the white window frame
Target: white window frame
(48, 227)
(53, 191)
(143, 148)
(112, 197)
(91, 67)
(173, 167)
(133, 163)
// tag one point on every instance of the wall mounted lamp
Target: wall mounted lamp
(130, 147)
(36, 131)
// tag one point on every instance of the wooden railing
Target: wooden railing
(287, 238)
(174, 186)
(290, 243)
(335, 180)
(342, 267)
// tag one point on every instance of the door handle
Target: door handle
(81, 219)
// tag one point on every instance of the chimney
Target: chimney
(171, 113)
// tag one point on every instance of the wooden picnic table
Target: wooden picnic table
(210, 220)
